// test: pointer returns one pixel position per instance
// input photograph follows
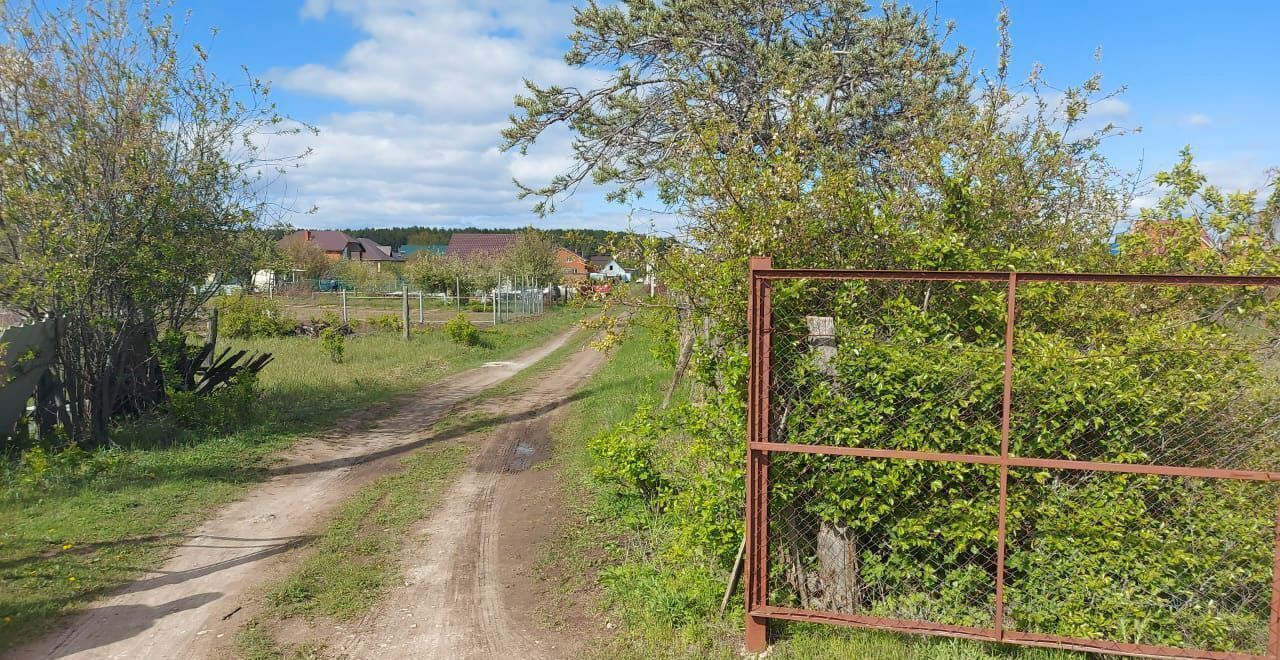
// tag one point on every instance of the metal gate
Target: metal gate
(1078, 461)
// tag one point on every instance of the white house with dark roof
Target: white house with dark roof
(605, 267)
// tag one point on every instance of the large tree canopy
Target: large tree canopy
(826, 133)
(677, 68)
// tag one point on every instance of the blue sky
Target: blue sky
(409, 95)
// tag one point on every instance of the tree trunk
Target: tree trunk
(837, 545)
(838, 568)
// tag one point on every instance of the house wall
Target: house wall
(573, 266)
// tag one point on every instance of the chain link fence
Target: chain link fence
(1078, 461)
(338, 301)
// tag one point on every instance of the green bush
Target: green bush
(386, 323)
(335, 343)
(248, 317)
(39, 468)
(462, 331)
(1109, 374)
(226, 409)
(626, 456)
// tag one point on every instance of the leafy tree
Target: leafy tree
(681, 66)
(367, 275)
(532, 256)
(128, 175)
(433, 272)
(298, 253)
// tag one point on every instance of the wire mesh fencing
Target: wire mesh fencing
(1078, 461)
(506, 301)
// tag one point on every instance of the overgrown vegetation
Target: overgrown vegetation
(250, 317)
(100, 516)
(228, 409)
(664, 593)
(129, 174)
(825, 134)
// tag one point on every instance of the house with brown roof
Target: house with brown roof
(340, 246)
(337, 246)
(465, 246)
(572, 265)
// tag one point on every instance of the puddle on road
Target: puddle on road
(499, 364)
(521, 456)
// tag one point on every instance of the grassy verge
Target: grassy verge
(662, 602)
(74, 531)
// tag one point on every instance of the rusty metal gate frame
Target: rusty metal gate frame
(759, 448)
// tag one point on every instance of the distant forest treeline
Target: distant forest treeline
(585, 242)
(582, 241)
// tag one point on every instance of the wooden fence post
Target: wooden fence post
(404, 312)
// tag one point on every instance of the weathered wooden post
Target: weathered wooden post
(404, 312)
(213, 328)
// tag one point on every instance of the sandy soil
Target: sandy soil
(470, 590)
(192, 605)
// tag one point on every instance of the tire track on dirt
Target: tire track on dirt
(182, 609)
(468, 591)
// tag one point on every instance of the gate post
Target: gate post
(759, 313)
(1273, 630)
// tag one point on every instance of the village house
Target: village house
(605, 267)
(340, 246)
(572, 265)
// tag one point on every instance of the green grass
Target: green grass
(667, 607)
(354, 560)
(312, 390)
(255, 643)
(94, 525)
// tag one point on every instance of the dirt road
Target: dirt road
(184, 608)
(469, 591)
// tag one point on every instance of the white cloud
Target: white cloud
(431, 85)
(1143, 201)
(1026, 106)
(1195, 120)
(1235, 173)
(1110, 108)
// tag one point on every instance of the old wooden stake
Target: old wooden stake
(404, 312)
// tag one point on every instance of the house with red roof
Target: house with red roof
(464, 246)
